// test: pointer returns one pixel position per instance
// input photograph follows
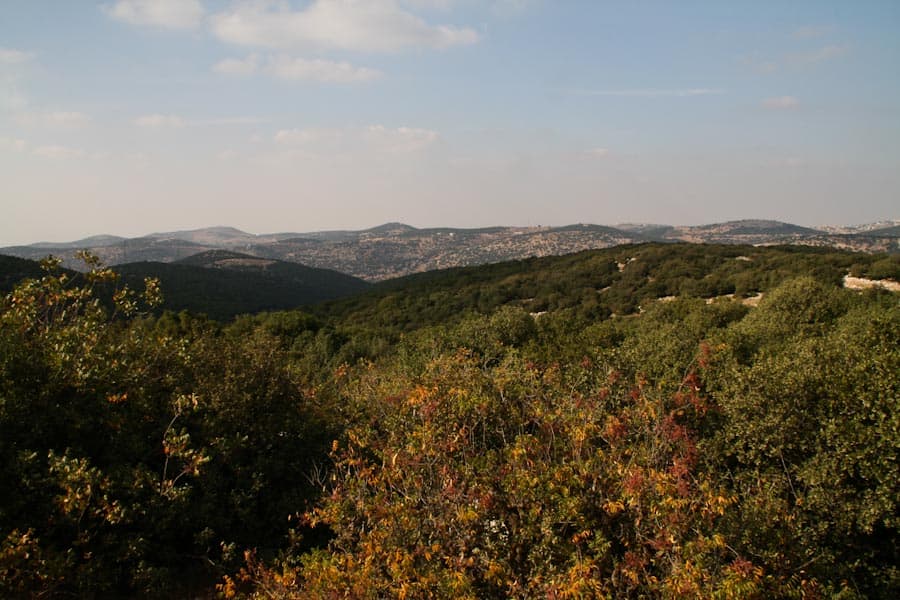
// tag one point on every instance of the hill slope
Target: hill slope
(597, 284)
(225, 284)
(14, 269)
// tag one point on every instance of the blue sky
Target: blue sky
(134, 116)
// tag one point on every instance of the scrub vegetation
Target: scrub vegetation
(609, 424)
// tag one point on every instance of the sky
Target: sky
(135, 116)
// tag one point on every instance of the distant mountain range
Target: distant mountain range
(395, 249)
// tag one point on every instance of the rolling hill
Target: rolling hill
(14, 269)
(223, 284)
(395, 249)
(220, 284)
(597, 284)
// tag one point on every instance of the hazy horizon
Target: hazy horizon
(419, 227)
(129, 117)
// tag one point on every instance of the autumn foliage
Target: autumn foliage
(523, 481)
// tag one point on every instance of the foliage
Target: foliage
(808, 386)
(138, 459)
(609, 424)
(519, 481)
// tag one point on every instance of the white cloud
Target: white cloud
(9, 56)
(66, 118)
(238, 66)
(781, 103)
(11, 98)
(498, 7)
(401, 140)
(291, 68)
(169, 14)
(159, 121)
(812, 57)
(357, 25)
(759, 63)
(57, 152)
(54, 120)
(430, 4)
(15, 144)
(376, 139)
(652, 92)
(327, 71)
(597, 152)
(309, 136)
(797, 60)
(239, 121)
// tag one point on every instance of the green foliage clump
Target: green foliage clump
(808, 388)
(138, 454)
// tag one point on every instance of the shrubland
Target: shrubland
(543, 428)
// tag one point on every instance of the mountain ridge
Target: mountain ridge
(228, 232)
(395, 249)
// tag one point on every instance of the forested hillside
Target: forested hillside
(219, 284)
(13, 270)
(224, 284)
(643, 421)
(598, 284)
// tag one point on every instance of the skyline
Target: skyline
(134, 116)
